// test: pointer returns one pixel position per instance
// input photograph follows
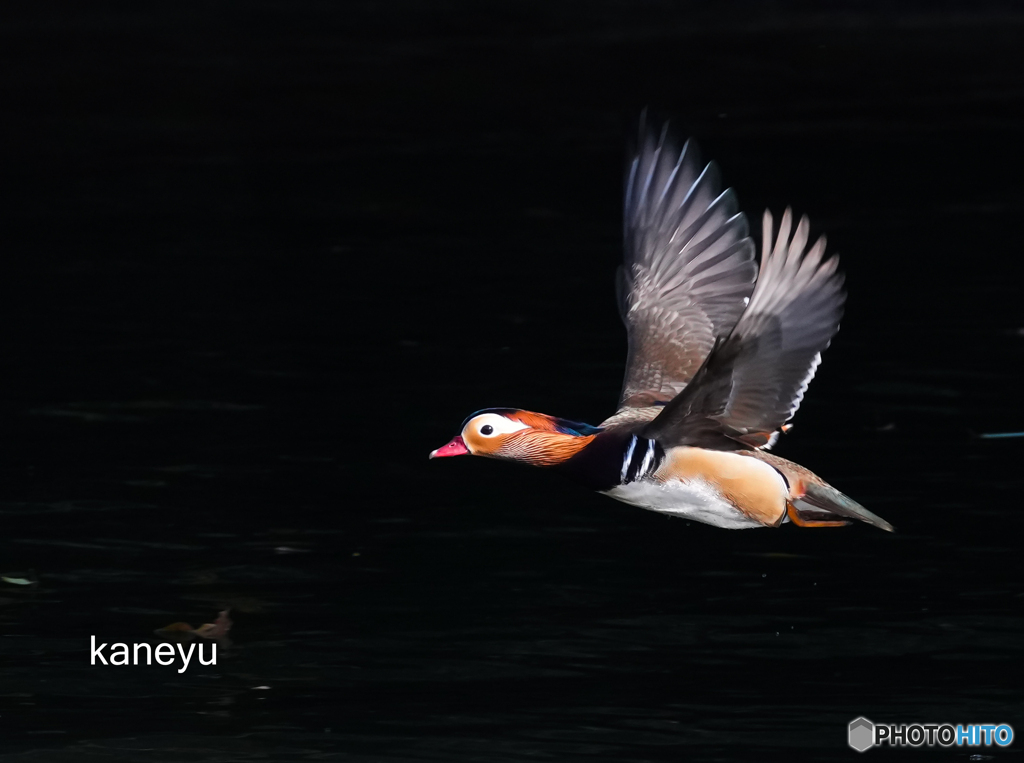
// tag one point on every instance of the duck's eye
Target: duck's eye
(492, 425)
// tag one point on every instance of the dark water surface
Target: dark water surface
(260, 260)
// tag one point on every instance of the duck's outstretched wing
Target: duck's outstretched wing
(689, 270)
(753, 381)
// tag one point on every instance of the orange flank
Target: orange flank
(752, 487)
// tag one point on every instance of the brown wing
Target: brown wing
(753, 381)
(689, 270)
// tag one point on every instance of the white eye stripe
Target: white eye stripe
(491, 424)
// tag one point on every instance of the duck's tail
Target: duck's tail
(822, 502)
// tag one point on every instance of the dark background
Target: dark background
(261, 258)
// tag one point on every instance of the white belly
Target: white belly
(694, 499)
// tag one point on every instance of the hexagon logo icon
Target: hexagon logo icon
(862, 734)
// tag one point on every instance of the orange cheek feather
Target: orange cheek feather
(480, 446)
(543, 448)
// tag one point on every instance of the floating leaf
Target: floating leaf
(177, 627)
(176, 632)
(218, 628)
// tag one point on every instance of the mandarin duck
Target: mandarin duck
(721, 351)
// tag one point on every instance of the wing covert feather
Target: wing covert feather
(688, 272)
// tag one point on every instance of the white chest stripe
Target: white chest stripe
(627, 459)
(648, 457)
(639, 462)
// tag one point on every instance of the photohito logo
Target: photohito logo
(863, 734)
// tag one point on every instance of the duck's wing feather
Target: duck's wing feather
(688, 272)
(753, 381)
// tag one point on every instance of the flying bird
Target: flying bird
(721, 351)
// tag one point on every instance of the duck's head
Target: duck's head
(516, 435)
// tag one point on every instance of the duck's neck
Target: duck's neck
(599, 465)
